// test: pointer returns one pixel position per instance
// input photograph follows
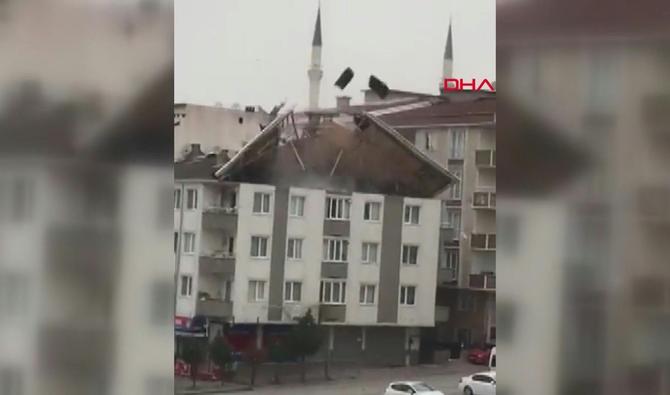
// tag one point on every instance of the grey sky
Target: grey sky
(258, 51)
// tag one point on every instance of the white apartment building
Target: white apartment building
(364, 263)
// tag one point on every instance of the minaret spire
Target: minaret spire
(448, 62)
(315, 73)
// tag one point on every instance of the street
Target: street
(374, 381)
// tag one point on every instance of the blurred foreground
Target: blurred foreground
(584, 197)
(86, 269)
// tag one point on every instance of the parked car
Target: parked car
(480, 355)
(483, 383)
(411, 387)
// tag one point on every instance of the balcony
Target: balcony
(220, 218)
(485, 158)
(483, 281)
(332, 313)
(483, 242)
(217, 263)
(214, 308)
(334, 269)
(484, 200)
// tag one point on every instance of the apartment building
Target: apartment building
(313, 224)
(459, 133)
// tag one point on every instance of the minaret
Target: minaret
(448, 62)
(315, 73)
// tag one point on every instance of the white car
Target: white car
(411, 387)
(483, 383)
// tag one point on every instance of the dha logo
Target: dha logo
(458, 84)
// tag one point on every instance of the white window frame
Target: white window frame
(365, 291)
(404, 294)
(185, 280)
(365, 252)
(296, 206)
(448, 264)
(451, 213)
(329, 297)
(331, 249)
(258, 252)
(265, 203)
(259, 292)
(290, 291)
(177, 198)
(456, 189)
(338, 205)
(189, 248)
(407, 214)
(456, 143)
(367, 209)
(405, 259)
(294, 248)
(188, 198)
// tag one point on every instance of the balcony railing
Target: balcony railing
(483, 281)
(484, 200)
(214, 308)
(217, 263)
(485, 158)
(483, 241)
(221, 209)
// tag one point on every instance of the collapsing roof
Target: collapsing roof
(372, 158)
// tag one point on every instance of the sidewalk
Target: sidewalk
(183, 386)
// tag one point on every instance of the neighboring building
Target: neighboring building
(341, 222)
(215, 128)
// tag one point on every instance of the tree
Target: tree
(304, 340)
(193, 355)
(221, 354)
(278, 354)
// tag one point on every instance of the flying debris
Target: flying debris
(345, 78)
(378, 86)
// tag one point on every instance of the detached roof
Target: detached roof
(374, 158)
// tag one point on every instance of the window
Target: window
(259, 246)
(177, 198)
(453, 219)
(261, 203)
(450, 260)
(370, 253)
(176, 241)
(457, 146)
(367, 294)
(256, 291)
(335, 250)
(429, 142)
(297, 206)
(191, 198)
(227, 290)
(402, 388)
(189, 243)
(412, 214)
(333, 291)
(482, 378)
(466, 302)
(294, 250)
(407, 295)
(186, 285)
(372, 211)
(410, 254)
(455, 191)
(292, 291)
(337, 207)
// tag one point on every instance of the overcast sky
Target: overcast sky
(258, 51)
